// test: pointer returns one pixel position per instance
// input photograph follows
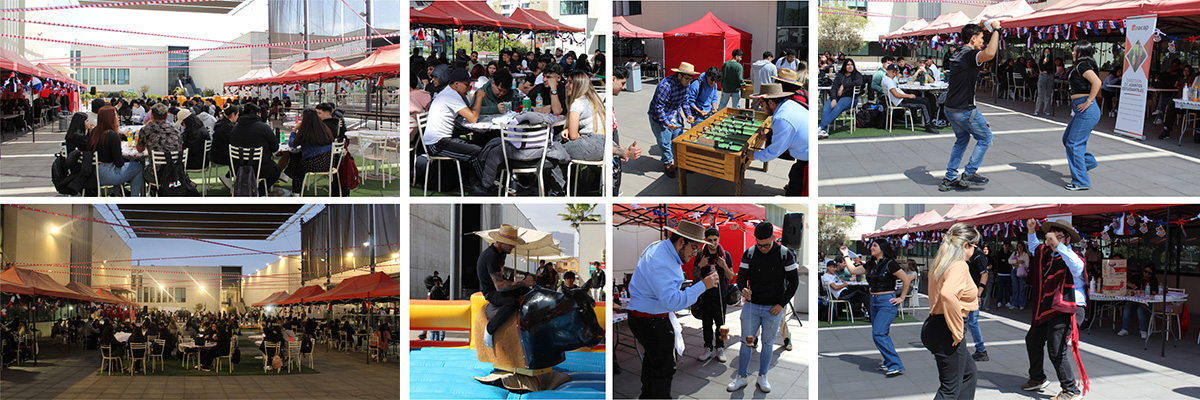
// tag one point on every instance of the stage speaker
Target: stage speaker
(93, 90)
(793, 230)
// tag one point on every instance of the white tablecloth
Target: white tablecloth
(1187, 104)
(393, 135)
(123, 336)
(1144, 299)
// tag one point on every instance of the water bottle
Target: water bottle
(539, 102)
(1147, 287)
(525, 104)
(1161, 289)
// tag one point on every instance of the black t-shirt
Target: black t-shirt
(1079, 84)
(542, 92)
(1001, 265)
(964, 72)
(978, 265)
(772, 276)
(881, 275)
(490, 260)
(1046, 66)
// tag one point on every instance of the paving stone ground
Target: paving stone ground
(706, 380)
(1119, 366)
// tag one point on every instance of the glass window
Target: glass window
(795, 13)
(104, 80)
(123, 76)
(113, 74)
(181, 295)
(567, 7)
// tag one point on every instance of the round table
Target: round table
(122, 336)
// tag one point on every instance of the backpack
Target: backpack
(60, 171)
(871, 115)
(173, 181)
(348, 173)
(244, 184)
(237, 356)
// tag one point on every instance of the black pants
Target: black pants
(956, 368)
(857, 295)
(1052, 336)
(798, 179)
(657, 338)
(506, 304)
(712, 318)
(461, 150)
(920, 103)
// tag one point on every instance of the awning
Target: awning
(542, 21)
(304, 71)
(36, 283)
(367, 286)
(1072, 11)
(1003, 11)
(893, 224)
(471, 13)
(120, 299)
(911, 26)
(651, 214)
(624, 29)
(421, 18)
(384, 61)
(945, 22)
(87, 291)
(12, 61)
(261, 73)
(221, 222)
(300, 294)
(1021, 212)
(271, 299)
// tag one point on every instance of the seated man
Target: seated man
(503, 294)
(498, 90)
(841, 290)
(549, 95)
(447, 105)
(897, 97)
(702, 95)
(252, 132)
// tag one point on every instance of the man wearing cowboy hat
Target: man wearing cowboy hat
(1058, 277)
(768, 276)
(794, 81)
(702, 95)
(504, 294)
(666, 111)
(789, 132)
(654, 297)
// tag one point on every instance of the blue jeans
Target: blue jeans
(1143, 313)
(1075, 140)
(828, 115)
(664, 137)
(1018, 296)
(727, 98)
(967, 124)
(973, 327)
(755, 316)
(883, 312)
(130, 172)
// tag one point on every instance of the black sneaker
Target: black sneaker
(669, 171)
(787, 344)
(974, 179)
(929, 128)
(1032, 385)
(948, 185)
(1165, 135)
(1075, 188)
(980, 356)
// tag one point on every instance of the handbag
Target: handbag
(276, 362)
(348, 173)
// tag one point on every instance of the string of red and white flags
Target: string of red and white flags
(16, 303)
(16, 84)
(433, 36)
(1040, 34)
(1122, 225)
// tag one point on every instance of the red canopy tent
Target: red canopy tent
(87, 291)
(261, 73)
(469, 13)
(418, 17)
(366, 286)
(1021, 212)
(537, 24)
(624, 29)
(911, 26)
(735, 221)
(1004, 11)
(306, 71)
(271, 299)
(300, 294)
(1072, 11)
(893, 224)
(542, 18)
(29, 282)
(708, 42)
(384, 61)
(942, 24)
(15, 62)
(120, 299)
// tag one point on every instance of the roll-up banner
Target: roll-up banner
(1135, 82)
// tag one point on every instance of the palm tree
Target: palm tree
(577, 213)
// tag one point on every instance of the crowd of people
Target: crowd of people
(545, 88)
(169, 125)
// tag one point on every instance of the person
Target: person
(498, 91)
(897, 97)
(762, 71)
(159, 135)
(877, 77)
(315, 141)
(582, 65)
(981, 272)
(136, 110)
(931, 70)
(842, 91)
(951, 295)
(108, 334)
(1003, 277)
(1045, 83)
(655, 295)
(1138, 282)
(1056, 272)
(1166, 80)
(883, 273)
(768, 276)
(620, 154)
(221, 349)
(666, 111)
(194, 135)
(789, 132)
(788, 61)
(549, 96)
(381, 338)
(77, 132)
(1020, 265)
(252, 132)
(839, 289)
(960, 109)
(731, 79)
(584, 130)
(502, 293)
(222, 131)
(1085, 86)
(271, 333)
(473, 61)
(106, 143)
(1187, 78)
(702, 95)
(711, 304)
(447, 105)
(1111, 89)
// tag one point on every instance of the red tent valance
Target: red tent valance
(366, 286)
(623, 28)
(301, 294)
(271, 299)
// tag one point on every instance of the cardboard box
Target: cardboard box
(1114, 277)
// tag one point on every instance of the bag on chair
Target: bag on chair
(237, 356)
(348, 173)
(276, 362)
(244, 184)
(174, 182)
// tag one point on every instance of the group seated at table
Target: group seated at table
(569, 95)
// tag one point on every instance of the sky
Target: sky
(544, 217)
(249, 18)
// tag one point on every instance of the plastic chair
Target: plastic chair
(293, 353)
(1018, 86)
(908, 117)
(374, 149)
(911, 302)
(96, 171)
(107, 359)
(575, 166)
(157, 352)
(204, 166)
(252, 156)
(228, 357)
(336, 153)
(160, 159)
(133, 347)
(421, 122)
(833, 301)
(518, 136)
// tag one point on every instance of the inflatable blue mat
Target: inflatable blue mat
(441, 373)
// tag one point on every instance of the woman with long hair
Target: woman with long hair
(1085, 86)
(842, 99)
(584, 131)
(952, 295)
(77, 132)
(1020, 264)
(315, 141)
(194, 135)
(106, 143)
(883, 273)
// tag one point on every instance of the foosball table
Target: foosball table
(721, 146)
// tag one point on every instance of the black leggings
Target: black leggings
(956, 368)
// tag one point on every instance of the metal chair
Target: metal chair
(204, 166)
(246, 156)
(520, 136)
(422, 120)
(157, 352)
(233, 343)
(308, 353)
(191, 353)
(1189, 118)
(120, 189)
(107, 359)
(576, 165)
(268, 355)
(1018, 85)
(336, 153)
(345, 341)
(911, 301)
(908, 117)
(133, 348)
(293, 353)
(833, 301)
(160, 159)
(1166, 312)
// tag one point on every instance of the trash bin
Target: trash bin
(634, 83)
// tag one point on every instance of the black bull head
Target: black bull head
(552, 323)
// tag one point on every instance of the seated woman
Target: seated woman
(136, 336)
(77, 133)
(106, 142)
(221, 349)
(315, 142)
(194, 135)
(584, 132)
(381, 337)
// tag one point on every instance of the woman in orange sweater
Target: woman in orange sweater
(952, 295)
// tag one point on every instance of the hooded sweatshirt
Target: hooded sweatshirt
(762, 71)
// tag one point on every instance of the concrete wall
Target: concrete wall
(213, 75)
(152, 72)
(28, 239)
(202, 285)
(755, 17)
(277, 276)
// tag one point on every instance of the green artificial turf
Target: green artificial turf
(248, 366)
(858, 321)
(898, 130)
(366, 187)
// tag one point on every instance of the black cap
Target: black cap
(459, 75)
(892, 67)
(764, 230)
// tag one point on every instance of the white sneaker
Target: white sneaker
(1145, 335)
(822, 134)
(1123, 332)
(487, 339)
(763, 385)
(1009, 305)
(738, 383)
(708, 353)
(721, 354)
(1035, 113)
